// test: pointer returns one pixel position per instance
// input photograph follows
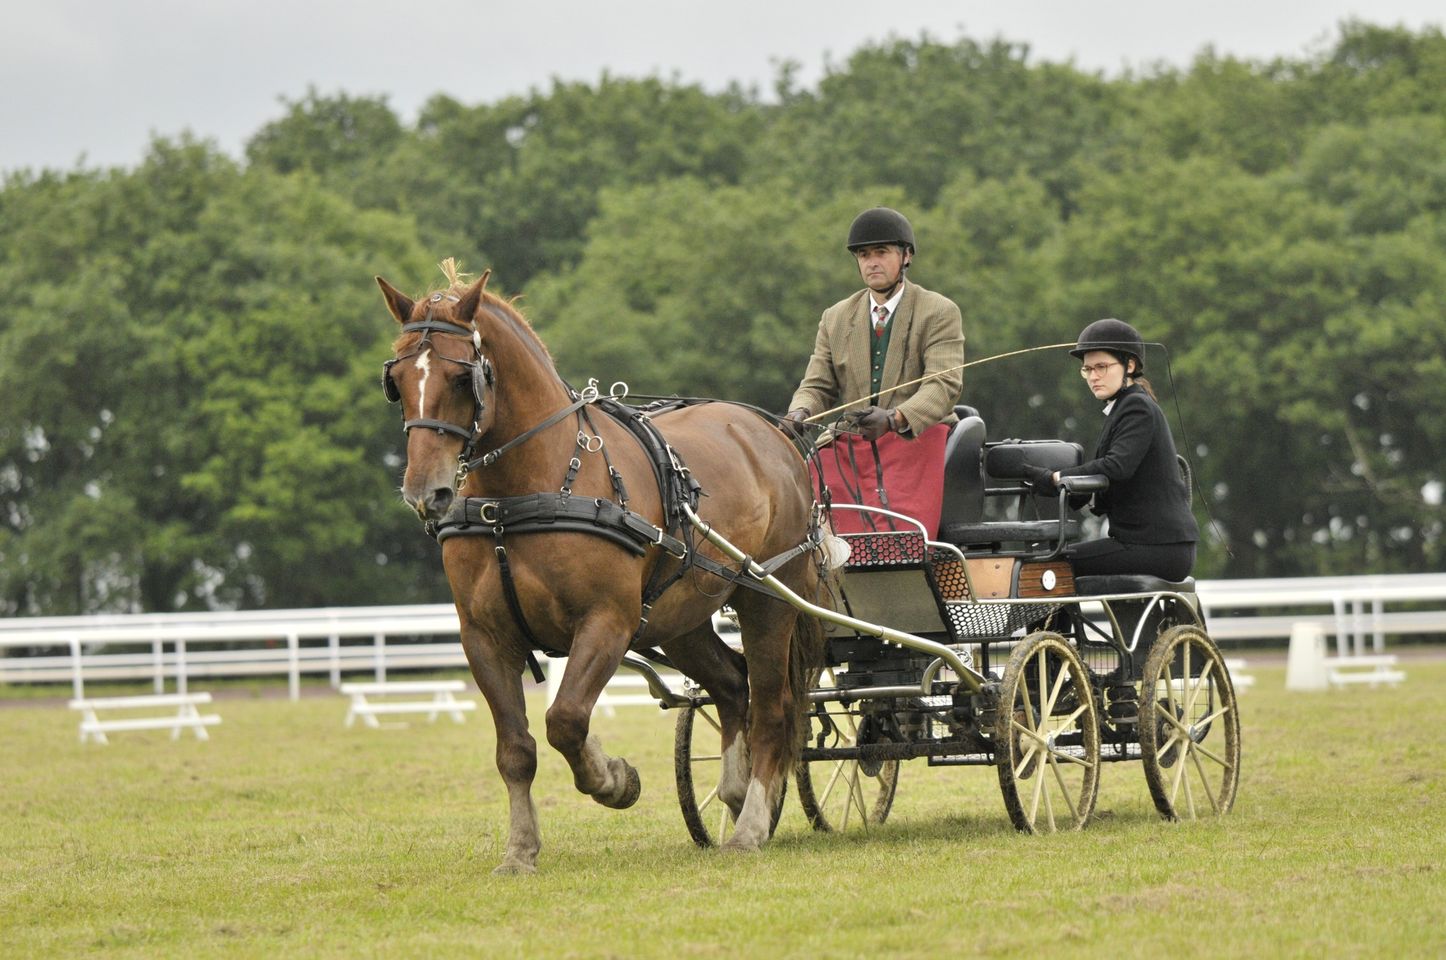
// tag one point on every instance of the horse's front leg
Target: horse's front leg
(597, 649)
(500, 681)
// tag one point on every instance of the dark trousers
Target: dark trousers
(1168, 561)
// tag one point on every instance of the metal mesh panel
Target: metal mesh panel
(952, 581)
(887, 549)
(986, 621)
(1102, 659)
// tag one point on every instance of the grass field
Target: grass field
(289, 836)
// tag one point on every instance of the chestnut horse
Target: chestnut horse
(473, 376)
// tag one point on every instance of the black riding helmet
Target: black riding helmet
(1112, 336)
(880, 225)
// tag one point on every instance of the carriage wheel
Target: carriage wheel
(1047, 737)
(843, 795)
(697, 767)
(1189, 727)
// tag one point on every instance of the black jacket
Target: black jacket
(1148, 501)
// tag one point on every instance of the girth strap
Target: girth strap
(556, 513)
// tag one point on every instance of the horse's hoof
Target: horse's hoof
(513, 868)
(736, 846)
(632, 789)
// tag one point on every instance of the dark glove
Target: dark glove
(796, 420)
(1040, 478)
(874, 422)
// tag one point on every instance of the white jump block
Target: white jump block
(1371, 670)
(442, 700)
(185, 717)
(1305, 664)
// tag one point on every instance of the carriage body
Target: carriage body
(1066, 673)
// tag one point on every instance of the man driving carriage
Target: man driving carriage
(891, 332)
(894, 350)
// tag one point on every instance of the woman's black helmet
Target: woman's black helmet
(1112, 336)
(880, 225)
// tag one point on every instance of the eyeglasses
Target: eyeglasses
(1092, 369)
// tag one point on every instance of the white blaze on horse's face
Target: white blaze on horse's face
(424, 364)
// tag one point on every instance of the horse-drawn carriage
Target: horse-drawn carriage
(576, 524)
(981, 648)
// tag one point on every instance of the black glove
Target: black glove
(796, 420)
(874, 422)
(1040, 478)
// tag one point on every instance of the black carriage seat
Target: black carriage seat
(976, 470)
(1109, 583)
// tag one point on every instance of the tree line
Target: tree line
(190, 348)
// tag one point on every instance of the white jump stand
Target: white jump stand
(1305, 665)
(441, 699)
(186, 716)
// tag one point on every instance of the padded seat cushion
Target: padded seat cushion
(1129, 583)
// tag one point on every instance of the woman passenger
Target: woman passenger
(1151, 527)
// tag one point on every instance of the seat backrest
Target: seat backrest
(964, 473)
(1003, 463)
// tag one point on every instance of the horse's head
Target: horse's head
(445, 384)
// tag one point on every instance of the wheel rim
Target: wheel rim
(1046, 737)
(1190, 727)
(698, 766)
(843, 795)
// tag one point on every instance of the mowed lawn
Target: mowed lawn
(287, 835)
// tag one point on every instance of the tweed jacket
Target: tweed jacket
(926, 336)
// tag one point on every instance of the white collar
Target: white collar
(890, 304)
(1111, 405)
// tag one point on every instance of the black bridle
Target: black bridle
(482, 377)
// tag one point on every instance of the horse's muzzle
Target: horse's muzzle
(433, 506)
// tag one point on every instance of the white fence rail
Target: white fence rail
(179, 647)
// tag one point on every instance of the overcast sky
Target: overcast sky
(93, 80)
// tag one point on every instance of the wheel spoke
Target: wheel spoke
(1063, 789)
(1201, 748)
(1034, 803)
(1053, 693)
(1204, 780)
(1024, 762)
(713, 757)
(828, 787)
(1048, 804)
(712, 722)
(1214, 716)
(1081, 761)
(1031, 734)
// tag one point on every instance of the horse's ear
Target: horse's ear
(467, 306)
(399, 304)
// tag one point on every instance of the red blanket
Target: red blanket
(912, 472)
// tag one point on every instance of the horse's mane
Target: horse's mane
(457, 284)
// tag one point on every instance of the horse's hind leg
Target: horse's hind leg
(702, 655)
(767, 631)
(597, 649)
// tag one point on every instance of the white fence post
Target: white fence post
(77, 680)
(180, 664)
(159, 658)
(293, 651)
